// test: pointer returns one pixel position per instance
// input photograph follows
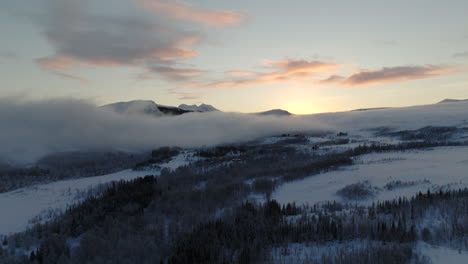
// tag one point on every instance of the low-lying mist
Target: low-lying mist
(33, 129)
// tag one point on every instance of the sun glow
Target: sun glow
(300, 107)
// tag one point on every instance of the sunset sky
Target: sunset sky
(304, 56)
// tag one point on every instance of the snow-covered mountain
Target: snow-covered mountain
(199, 108)
(135, 107)
(147, 107)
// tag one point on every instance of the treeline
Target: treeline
(252, 230)
(14, 178)
(68, 165)
(429, 133)
(158, 156)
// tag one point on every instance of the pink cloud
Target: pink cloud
(239, 73)
(181, 10)
(287, 70)
(390, 75)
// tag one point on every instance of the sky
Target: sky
(305, 56)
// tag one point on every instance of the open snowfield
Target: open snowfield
(303, 253)
(414, 117)
(21, 206)
(420, 170)
(443, 255)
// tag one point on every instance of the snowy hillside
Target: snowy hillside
(402, 118)
(198, 108)
(148, 107)
(136, 107)
(388, 175)
(41, 202)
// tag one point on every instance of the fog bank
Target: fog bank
(32, 129)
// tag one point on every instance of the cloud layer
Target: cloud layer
(153, 43)
(311, 72)
(188, 12)
(34, 129)
(287, 70)
(390, 75)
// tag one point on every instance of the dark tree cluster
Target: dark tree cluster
(67, 165)
(160, 155)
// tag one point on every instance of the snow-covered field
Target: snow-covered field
(419, 170)
(443, 255)
(21, 206)
(306, 253)
(401, 118)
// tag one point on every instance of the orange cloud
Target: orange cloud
(287, 70)
(303, 66)
(239, 73)
(390, 75)
(185, 11)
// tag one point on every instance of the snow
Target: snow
(443, 167)
(403, 118)
(182, 159)
(199, 108)
(308, 252)
(20, 206)
(442, 255)
(136, 107)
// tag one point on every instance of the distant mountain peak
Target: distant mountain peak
(135, 107)
(149, 107)
(275, 112)
(199, 108)
(452, 101)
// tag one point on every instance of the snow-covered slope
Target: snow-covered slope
(136, 107)
(401, 118)
(198, 108)
(443, 255)
(148, 107)
(391, 175)
(20, 207)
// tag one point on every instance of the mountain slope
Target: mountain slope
(199, 108)
(136, 107)
(452, 101)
